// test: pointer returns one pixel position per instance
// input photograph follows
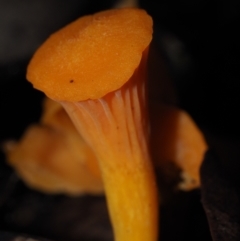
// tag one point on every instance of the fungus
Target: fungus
(177, 139)
(106, 54)
(52, 157)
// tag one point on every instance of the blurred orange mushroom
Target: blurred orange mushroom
(96, 68)
(177, 140)
(52, 157)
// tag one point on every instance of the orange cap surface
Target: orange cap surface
(92, 56)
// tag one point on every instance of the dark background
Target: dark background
(198, 42)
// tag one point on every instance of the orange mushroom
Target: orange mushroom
(52, 157)
(177, 140)
(96, 68)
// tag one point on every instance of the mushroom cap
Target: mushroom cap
(92, 56)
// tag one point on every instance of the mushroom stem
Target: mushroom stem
(116, 127)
